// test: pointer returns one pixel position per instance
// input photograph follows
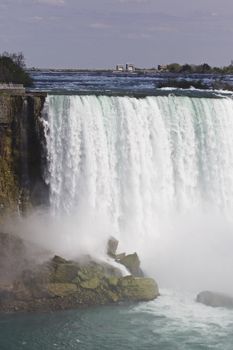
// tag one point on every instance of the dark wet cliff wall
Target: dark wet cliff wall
(21, 153)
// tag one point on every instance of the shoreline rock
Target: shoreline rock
(60, 284)
(214, 299)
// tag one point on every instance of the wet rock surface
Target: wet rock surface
(130, 261)
(215, 299)
(62, 284)
(21, 154)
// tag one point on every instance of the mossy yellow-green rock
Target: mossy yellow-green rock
(90, 284)
(113, 281)
(138, 288)
(84, 274)
(62, 289)
(65, 273)
(91, 270)
(60, 284)
(132, 263)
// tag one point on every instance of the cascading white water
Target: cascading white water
(133, 158)
(140, 161)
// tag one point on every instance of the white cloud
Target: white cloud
(50, 2)
(135, 1)
(36, 19)
(100, 25)
(163, 28)
(138, 36)
(32, 19)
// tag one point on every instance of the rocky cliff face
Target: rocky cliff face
(21, 153)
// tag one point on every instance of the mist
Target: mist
(192, 253)
(71, 236)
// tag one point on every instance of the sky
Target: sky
(103, 33)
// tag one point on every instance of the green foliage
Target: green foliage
(17, 58)
(174, 67)
(186, 68)
(204, 68)
(12, 69)
(227, 70)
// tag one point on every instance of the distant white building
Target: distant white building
(120, 68)
(130, 67)
(162, 67)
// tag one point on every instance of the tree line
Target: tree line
(12, 69)
(204, 68)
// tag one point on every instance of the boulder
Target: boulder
(93, 283)
(138, 289)
(132, 263)
(112, 246)
(90, 270)
(113, 281)
(59, 260)
(215, 299)
(64, 273)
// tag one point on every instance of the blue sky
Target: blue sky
(102, 33)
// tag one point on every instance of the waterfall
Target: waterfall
(137, 160)
(136, 157)
(138, 163)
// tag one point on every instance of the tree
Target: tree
(17, 58)
(186, 68)
(206, 68)
(12, 69)
(174, 67)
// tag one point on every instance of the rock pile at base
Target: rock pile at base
(62, 284)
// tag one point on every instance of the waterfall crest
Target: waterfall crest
(139, 160)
